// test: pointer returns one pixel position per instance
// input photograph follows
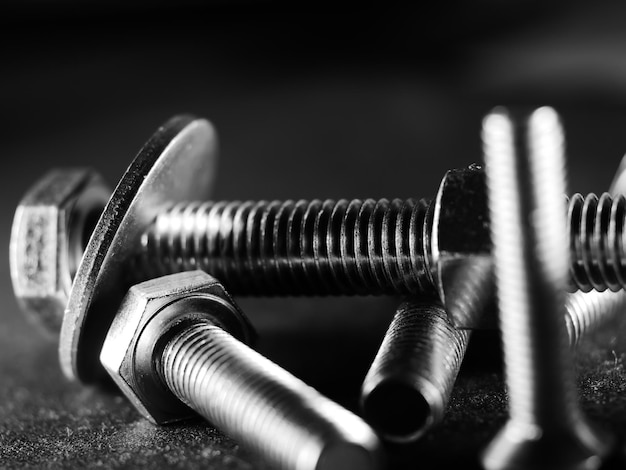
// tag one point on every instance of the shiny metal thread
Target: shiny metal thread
(408, 386)
(295, 248)
(261, 405)
(598, 241)
(350, 247)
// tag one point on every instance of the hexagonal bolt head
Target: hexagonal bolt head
(169, 352)
(51, 227)
(459, 249)
(148, 314)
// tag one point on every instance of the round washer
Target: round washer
(177, 164)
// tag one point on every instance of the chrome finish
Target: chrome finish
(525, 181)
(178, 343)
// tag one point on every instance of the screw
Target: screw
(351, 247)
(525, 181)
(170, 347)
(409, 384)
(346, 247)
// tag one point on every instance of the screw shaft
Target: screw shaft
(278, 248)
(357, 247)
(261, 405)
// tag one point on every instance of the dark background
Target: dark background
(307, 103)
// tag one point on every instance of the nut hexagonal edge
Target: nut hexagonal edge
(142, 304)
(51, 227)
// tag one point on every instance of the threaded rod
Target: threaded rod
(350, 247)
(261, 405)
(295, 248)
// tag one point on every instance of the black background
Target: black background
(374, 102)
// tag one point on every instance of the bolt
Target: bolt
(408, 386)
(176, 343)
(317, 247)
(525, 182)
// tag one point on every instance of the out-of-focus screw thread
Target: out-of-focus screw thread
(598, 241)
(525, 181)
(420, 354)
(258, 403)
(295, 248)
(531, 261)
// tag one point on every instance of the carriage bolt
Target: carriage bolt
(178, 344)
(525, 181)
(409, 384)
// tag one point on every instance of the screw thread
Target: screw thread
(597, 241)
(295, 247)
(256, 402)
(408, 386)
(587, 311)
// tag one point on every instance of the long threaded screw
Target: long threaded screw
(525, 178)
(351, 247)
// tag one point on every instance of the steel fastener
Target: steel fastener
(525, 176)
(409, 384)
(177, 343)
(348, 247)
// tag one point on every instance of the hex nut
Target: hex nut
(460, 251)
(149, 313)
(51, 227)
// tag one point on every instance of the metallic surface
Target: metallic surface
(526, 181)
(597, 241)
(408, 386)
(171, 344)
(176, 164)
(47, 241)
(364, 247)
(373, 247)
(147, 311)
(317, 247)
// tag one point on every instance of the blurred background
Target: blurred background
(308, 103)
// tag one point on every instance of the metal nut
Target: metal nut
(128, 351)
(51, 227)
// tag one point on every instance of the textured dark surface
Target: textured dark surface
(344, 107)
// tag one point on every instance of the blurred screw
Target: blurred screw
(408, 386)
(409, 383)
(525, 181)
(171, 345)
(317, 247)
